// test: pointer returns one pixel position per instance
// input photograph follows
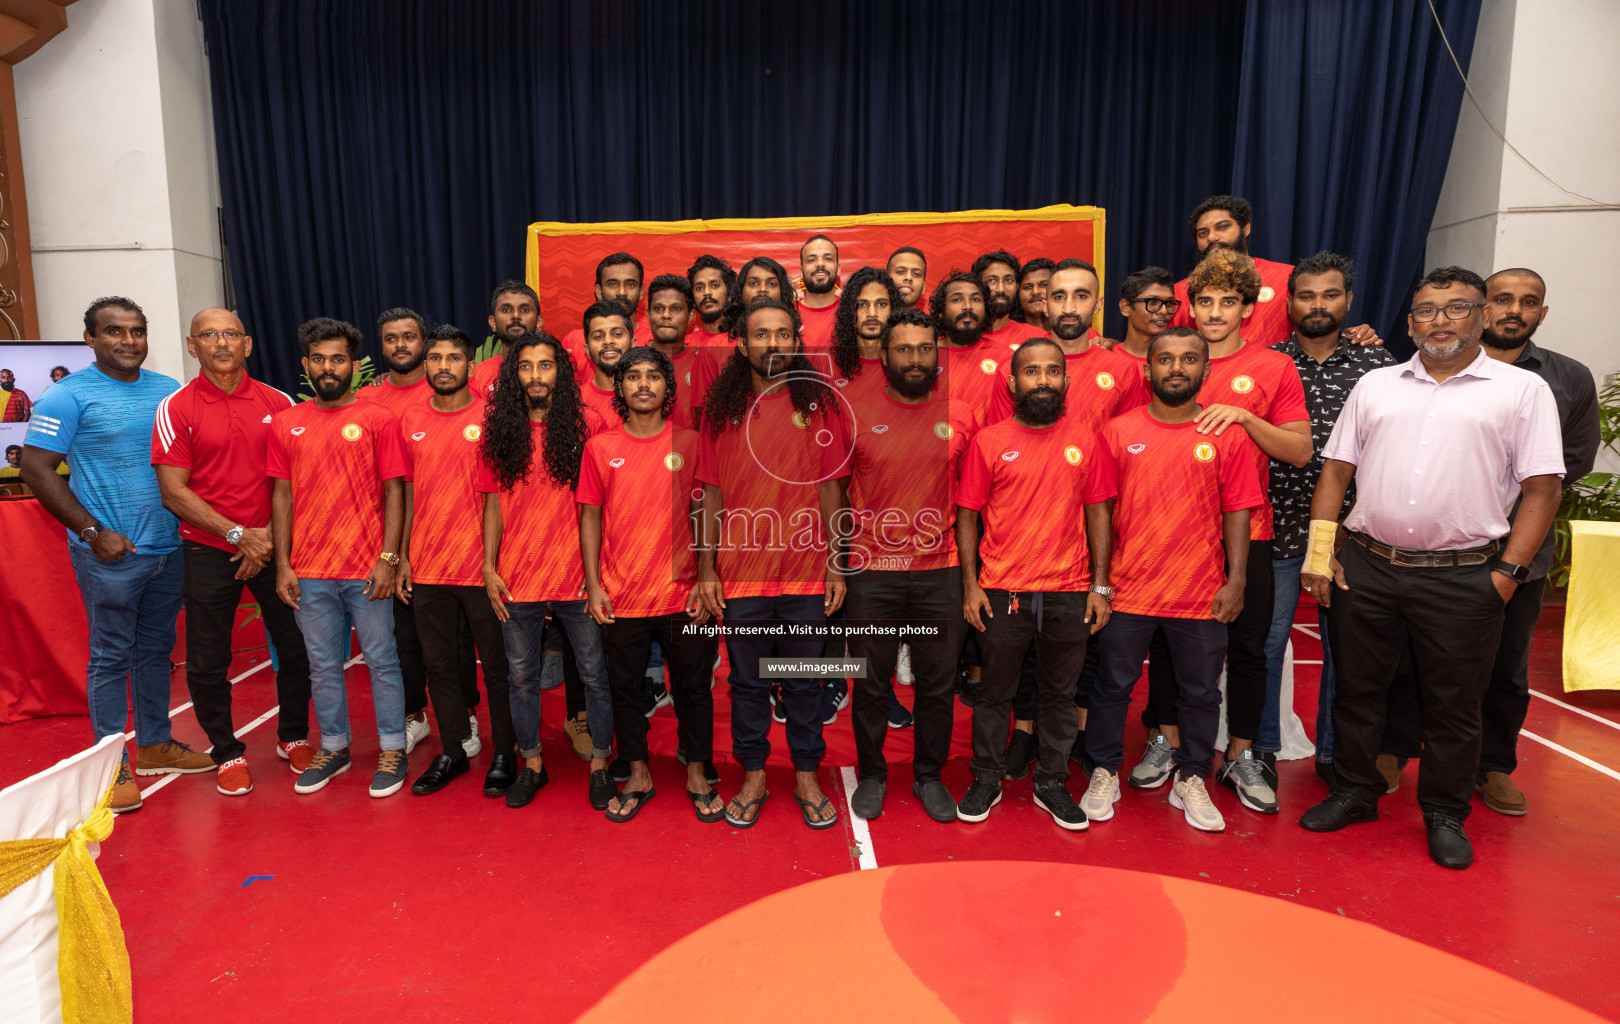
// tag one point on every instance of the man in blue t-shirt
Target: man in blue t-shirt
(125, 546)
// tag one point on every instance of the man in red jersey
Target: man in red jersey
(608, 331)
(774, 444)
(402, 334)
(958, 306)
(902, 558)
(1258, 389)
(208, 452)
(759, 277)
(1045, 513)
(999, 272)
(712, 281)
(1147, 301)
(514, 312)
(858, 331)
(818, 310)
(1183, 496)
(670, 303)
(534, 435)
(1032, 281)
(618, 279)
(441, 560)
(637, 487)
(909, 268)
(335, 513)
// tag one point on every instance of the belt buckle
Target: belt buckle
(1406, 559)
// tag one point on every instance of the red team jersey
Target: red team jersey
(575, 344)
(855, 390)
(1173, 485)
(1269, 323)
(1010, 337)
(447, 519)
(645, 488)
(397, 399)
(598, 401)
(220, 437)
(769, 469)
(1101, 386)
(1267, 384)
(1032, 487)
(969, 378)
(539, 559)
(901, 474)
(337, 461)
(685, 361)
(818, 325)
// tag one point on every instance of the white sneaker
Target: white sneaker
(1188, 795)
(1101, 795)
(902, 668)
(416, 730)
(472, 745)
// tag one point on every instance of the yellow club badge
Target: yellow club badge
(1267, 293)
(351, 431)
(801, 421)
(943, 431)
(1204, 452)
(1072, 454)
(673, 461)
(1243, 384)
(987, 365)
(1105, 380)
(472, 432)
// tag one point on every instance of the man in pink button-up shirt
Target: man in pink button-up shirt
(1439, 448)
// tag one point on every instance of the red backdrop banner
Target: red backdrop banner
(562, 258)
(44, 635)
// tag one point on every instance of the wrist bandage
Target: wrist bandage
(1319, 549)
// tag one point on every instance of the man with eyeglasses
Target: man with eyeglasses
(1440, 449)
(1147, 301)
(208, 450)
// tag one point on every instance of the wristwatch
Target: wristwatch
(233, 536)
(1106, 593)
(89, 534)
(389, 557)
(1516, 573)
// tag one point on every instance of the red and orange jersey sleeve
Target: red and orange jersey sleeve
(446, 539)
(645, 488)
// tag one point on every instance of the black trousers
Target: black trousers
(1024, 699)
(1059, 643)
(1199, 645)
(1452, 619)
(413, 669)
(932, 594)
(1245, 656)
(439, 612)
(212, 593)
(626, 645)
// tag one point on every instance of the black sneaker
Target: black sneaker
(1021, 749)
(834, 698)
(977, 801)
(526, 785)
(1448, 843)
(656, 695)
(323, 768)
(602, 789)
(969, 690)
(1054, 798)
(1268, 765)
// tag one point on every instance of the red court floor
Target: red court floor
(455, 908)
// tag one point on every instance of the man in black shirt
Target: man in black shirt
(1329, 364)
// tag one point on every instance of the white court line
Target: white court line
(857, 824)
(1307, 630)
(1605, 769)
(263, 664)
(1578, 711)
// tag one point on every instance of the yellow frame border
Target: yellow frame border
(1060, 212)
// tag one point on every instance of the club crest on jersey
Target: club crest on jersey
(1204, 452)
(418, 435)
(943, 431)
(801, 421)
(1136, 449)
(1267, 293)
(1072, 454)
(880, 428)
(1243, 384)
(673, 461)
(988, 365)
(1008, 456)
(1105, 380)
(615, 463)
(297, 430)
(472, 432)
(351, 431)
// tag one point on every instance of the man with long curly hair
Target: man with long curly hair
(774, 445)
(534, 434)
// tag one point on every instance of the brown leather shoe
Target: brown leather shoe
(1501, 795)
(126, 795)
(171, 758)
(1389, 766)
(579, 734)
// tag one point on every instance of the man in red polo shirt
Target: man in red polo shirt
(999, 272)
(670, 303)
(774, 445)
(441, 562)
(909, 268)
(208, 449)
(818, 310)
(1183, 496)
(1045, 577)
(514, 312)
(636, 487)
(712, 281)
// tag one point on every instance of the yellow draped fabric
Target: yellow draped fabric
(1592, 616)
(92, 964)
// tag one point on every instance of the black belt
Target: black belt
(1413, 559)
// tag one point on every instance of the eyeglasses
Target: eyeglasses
(230, 335)
(1159, 305)
(1454, 311)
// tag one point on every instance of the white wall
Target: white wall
(1545, 72)
(118, 154)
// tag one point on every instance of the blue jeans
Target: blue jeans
(131, 605)
(524, 634)
(1285, 578)
(321, 608)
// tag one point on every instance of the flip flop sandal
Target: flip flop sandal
(698, 800)
(745, 822)
(805, 807)
(641, 797)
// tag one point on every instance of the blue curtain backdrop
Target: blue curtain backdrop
(384, 152)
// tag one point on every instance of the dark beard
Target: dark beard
(811, 288)
(543, 402)
(1312, 333)
(1174, 398)
(328, 390)
(710, 318)
(1041, 407)
(1491, 339)
(907, 387)
(1239, 246)
(1000, 306)
(965, 336)
(452, 389)
(412, 363)
(1068, 332)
